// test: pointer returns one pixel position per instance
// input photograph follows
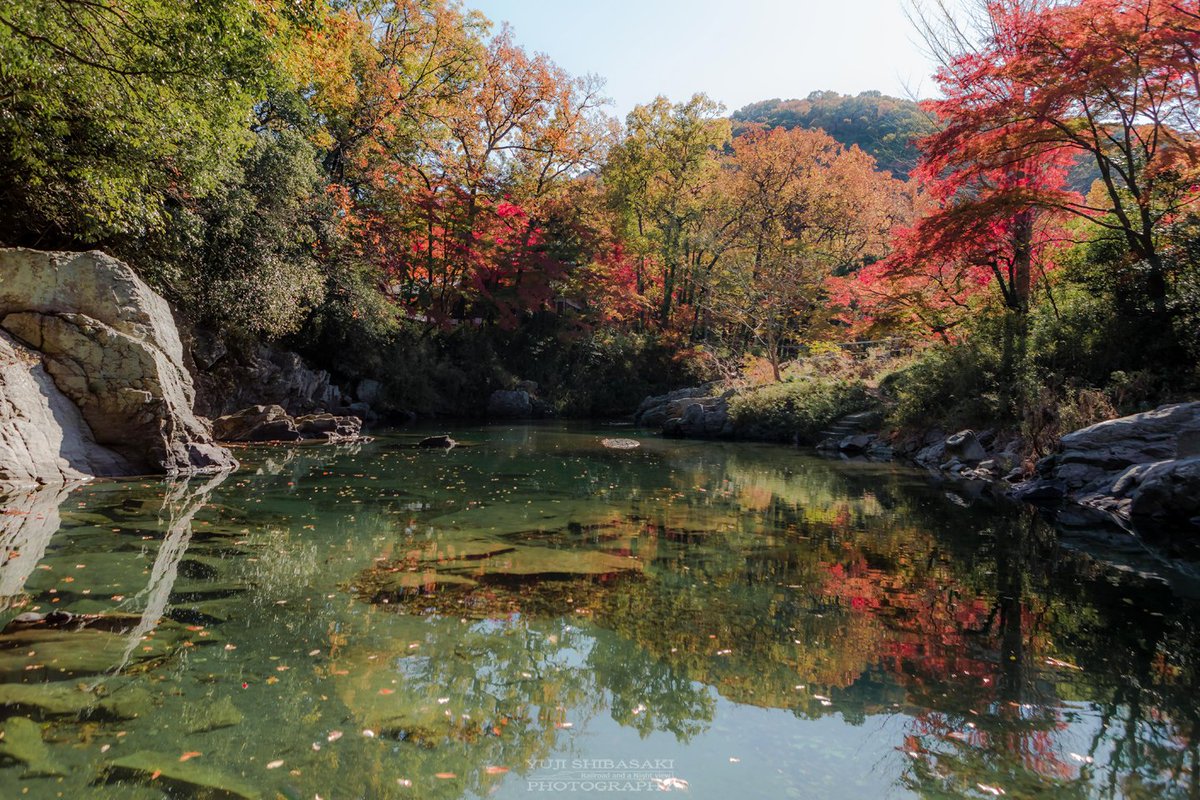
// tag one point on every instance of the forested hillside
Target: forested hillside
(886, 128)
(402, 191)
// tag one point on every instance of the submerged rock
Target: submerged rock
(61, 645)
(180, 778)
(21, 740)
(493, 577)
(62, 698)
(109, 346)
(543, 563)
(621, 444)
(210, 716)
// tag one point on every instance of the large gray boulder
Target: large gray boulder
(965, 446)
(694, 413)
(43, 437)
(1144, 467)
(87, 325)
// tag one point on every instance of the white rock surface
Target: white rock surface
(104, 354)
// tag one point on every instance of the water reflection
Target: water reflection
(181, 502)
(28, 520)
(390, 622)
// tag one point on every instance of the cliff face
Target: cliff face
(92, 377)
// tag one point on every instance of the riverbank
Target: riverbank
(1141, 470)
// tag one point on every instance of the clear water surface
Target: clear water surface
(537, 615)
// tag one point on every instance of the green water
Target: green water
(536, 615)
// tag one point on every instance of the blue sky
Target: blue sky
(736, 51)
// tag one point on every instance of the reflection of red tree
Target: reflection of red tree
(945, 647)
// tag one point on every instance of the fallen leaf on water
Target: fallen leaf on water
(1054, 662)
(275, 764)
(190, 754)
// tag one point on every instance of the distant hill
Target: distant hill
(883, 126)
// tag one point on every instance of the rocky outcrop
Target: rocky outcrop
(968, 454)
(1144, 467)
(231, 379)
(510, 404)
(696, 413)
(273, 424)
(520, 402)
(101, 351)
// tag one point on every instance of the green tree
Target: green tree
(110, 108)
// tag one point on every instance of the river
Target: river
(533, 614)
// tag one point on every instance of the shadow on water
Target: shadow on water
(375, 621)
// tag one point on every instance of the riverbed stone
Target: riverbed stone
(21, 741)
(180, 778)
(272, 423)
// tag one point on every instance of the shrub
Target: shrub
(796, 410)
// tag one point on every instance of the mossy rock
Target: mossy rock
(542, 563)
(191, 779)
(212, 715)
(68, 699)
(64, 646)
(21, 740)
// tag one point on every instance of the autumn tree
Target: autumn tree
(1124, 95)
(658, 179)
(806, 208)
